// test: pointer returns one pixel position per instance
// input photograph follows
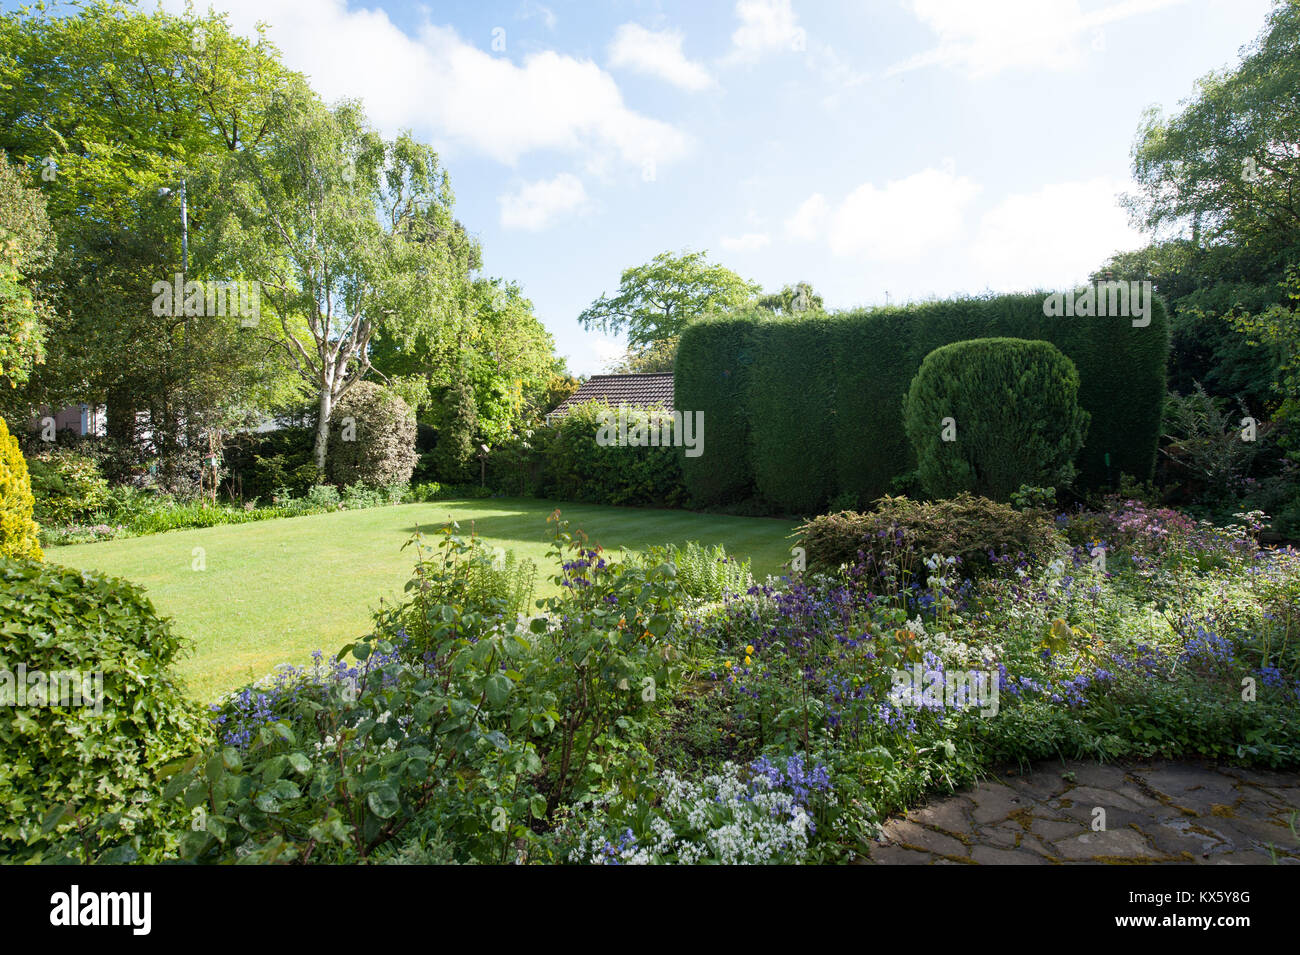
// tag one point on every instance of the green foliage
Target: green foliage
(791, 300)
(330, 189)
(1224, 161)
(861, 369)
(26, 246)
(703, 572)
(1015, 417)
(1029, 498)
(456, 419)
(67, 486)
(19, 535)
(712, 374)
(577, 468)
(102, 106)
(450, 725)
(1279, 327)
(656, 301)
(372, 438)
(261, 466)
(1206, 453)
(466, 572)
(965, 527)
(65, 762)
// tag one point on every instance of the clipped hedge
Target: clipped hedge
(861, 372)
(790, 390)
(713, 369)
(1012, 412)
(967, 527)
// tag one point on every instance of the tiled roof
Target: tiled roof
(636, 391)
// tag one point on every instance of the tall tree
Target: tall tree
(106, 107)
(348, 235)
(657, 300)
(1219, 191)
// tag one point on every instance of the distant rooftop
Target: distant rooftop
(634, 391)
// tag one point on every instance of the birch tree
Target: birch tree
(348, 234)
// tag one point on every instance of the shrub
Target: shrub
(452, 459)
(98, 758)
(259, 465)
(323, 495)
(67, 486)
(580, 469)
(382, 449)
(19, 535)
(965, 527)
(1014, 407)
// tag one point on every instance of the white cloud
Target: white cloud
(659, 54)
(748, 242)
(766, 26)
(984, 38)
(1053, 237)
(531, 8)
(538, 204)
(809, 219)
(894, 223)
(438, 83)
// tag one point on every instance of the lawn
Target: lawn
(273, 591)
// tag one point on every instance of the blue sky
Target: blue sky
(900, 148)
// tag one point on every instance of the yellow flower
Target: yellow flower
(747, 661)
(749, 650)
(728, 664)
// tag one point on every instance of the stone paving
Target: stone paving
(1158, 812)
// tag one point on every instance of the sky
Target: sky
(883, 150)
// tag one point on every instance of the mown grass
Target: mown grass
(273, 591)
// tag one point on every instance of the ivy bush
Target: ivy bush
(66, 765)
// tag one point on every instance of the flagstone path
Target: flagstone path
(1158, 812)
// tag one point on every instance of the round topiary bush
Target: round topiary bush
(992, 414)
(372, 438)
(19, 535)
(88, 718)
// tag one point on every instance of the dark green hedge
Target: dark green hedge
(713, 368)
(791, 431)
(851, 387)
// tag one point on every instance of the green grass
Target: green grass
(273, 591)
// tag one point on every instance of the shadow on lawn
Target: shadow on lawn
(612, 527)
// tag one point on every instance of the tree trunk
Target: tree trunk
(323, 427)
